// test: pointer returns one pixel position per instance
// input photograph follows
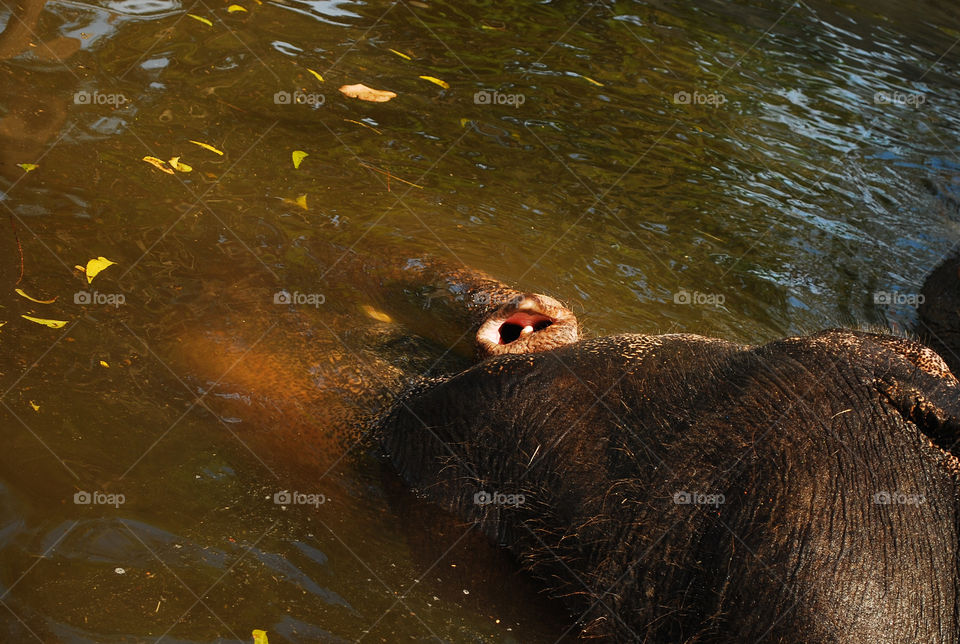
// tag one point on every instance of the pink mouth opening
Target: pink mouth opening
(513, 327)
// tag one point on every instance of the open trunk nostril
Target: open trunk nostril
(522, 323)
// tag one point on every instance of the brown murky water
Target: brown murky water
(746, 170)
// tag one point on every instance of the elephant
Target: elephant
(679, 488)
(939, 311)
(670, 488)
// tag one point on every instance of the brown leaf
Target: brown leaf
(365, 93)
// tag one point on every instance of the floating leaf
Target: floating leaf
(19, 291)
(180, 167)
(201, 19)
(317, 74)
(103, 363)
(159, 164)
(300, 201)
(401, 54)
(259, 637)
(465, 122)
(379, 316)
(94, 266)
(298, 157)
(436, 81)
(28, 167)
(365, 93)
(35, 406)
(234, 8)
(597, 83)
(53, 324)
(207, 146)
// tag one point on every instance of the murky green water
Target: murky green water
(745, 170)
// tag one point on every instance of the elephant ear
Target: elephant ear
(918, 384)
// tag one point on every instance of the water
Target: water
(745, 170)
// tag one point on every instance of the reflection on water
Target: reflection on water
(743, 170)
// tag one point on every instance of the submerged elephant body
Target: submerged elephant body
(670, 488)
(677, 488)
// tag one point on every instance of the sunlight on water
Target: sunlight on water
(740, 170)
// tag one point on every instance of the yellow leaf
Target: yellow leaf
(401, 54)
(2, 323)
(35, 406)
(465, 122)
(365, 93)
(300, 201)
(234, 8)
(53, 324)
(259, 637)
(597, 83)
(317, 74)
(104, 364)
(20, 292)
(159, 164)
(298, 157)
(437, 81)
(181, 167)
(28, 167)
(94, 266)
(207, 146)
(379, 316)
(201, 19)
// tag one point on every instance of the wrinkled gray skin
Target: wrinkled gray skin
(684, 489)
